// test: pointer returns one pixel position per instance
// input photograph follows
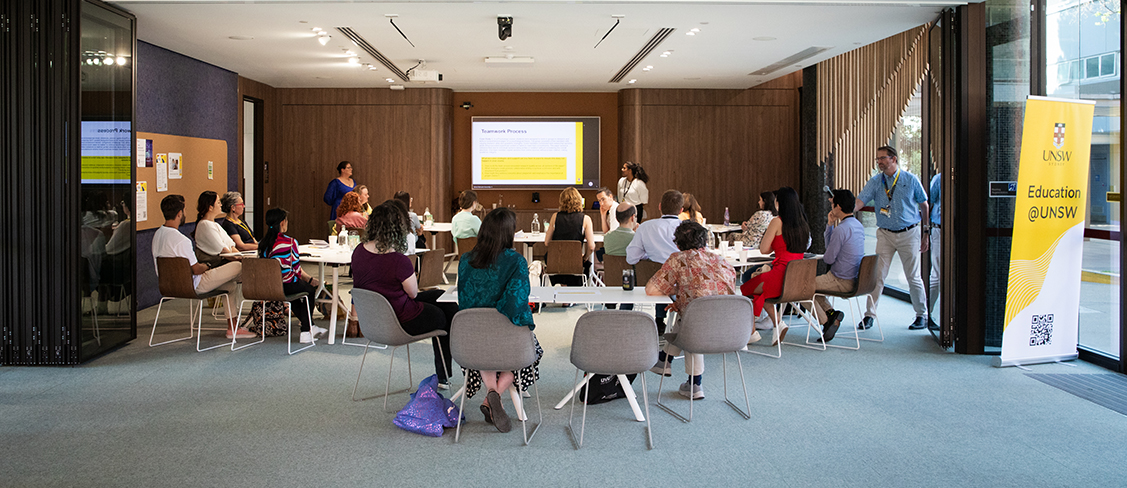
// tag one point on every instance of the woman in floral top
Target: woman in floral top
(493, 275)
(692, 273)
(754, 228)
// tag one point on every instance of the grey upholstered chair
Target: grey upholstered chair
(718, 324)
(865, 284)
(612, 342)
(379, 324)
(486, 340)
(175, 281)
(262, 282)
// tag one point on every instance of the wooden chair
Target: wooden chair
(798, 288)
(175, 281)
(612, 269)
(461, 246)
(644, 270)
(430, 268)
(864, 285)
(564, 258)
(262, 282)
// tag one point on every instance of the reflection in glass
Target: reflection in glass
(107, 199)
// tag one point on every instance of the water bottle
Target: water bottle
(727, 221)
(535, 224)
(428, 219)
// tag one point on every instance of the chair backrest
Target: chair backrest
(798, 283)
(716, 324)
(644, 270)
(174, 276)
(466, 244)
(430, 267)
(486, 340)
(612, 269)
(614, 342)
(262, 280)
(564, 257)
(867, 276)
(378, 321)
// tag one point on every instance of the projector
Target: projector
(425, 75)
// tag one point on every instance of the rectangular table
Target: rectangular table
(530, 239)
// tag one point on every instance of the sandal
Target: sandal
(485, 411)
(500, 418)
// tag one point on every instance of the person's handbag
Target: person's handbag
(428, 412)
(604, 388)
(276, 319)
(210, 260)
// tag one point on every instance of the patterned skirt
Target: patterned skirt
(522, 379)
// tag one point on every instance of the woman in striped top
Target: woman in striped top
(277, 245)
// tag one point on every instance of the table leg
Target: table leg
(631, 397)
(320, 281)
(336, 298)
(573, 391)
(528, 252)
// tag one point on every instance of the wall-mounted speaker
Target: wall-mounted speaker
(535, 197)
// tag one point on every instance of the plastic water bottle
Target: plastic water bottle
(727, 220)
(427, 217)
(535, 224)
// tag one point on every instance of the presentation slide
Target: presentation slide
(535, 152)
(107, 152)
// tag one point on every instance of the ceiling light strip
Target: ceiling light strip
(363, 44)
(793, 59)
(646, 50)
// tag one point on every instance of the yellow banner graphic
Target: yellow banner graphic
(1043, 296)
(524, 168)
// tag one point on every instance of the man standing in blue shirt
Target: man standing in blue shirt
(900, 202)
(845, 246)
(936, 192)
(653, 240)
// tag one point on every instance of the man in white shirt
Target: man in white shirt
(168, 242)
(607, 207)
(653, 240)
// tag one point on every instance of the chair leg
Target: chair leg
(199, 325)
(779, 352)
(665, 407)
(461, 413)
(746, 414)
(856, 337)
(570, 426)
(811, 325)
(289, 329)
(869, 299)
(646, 402)
(234, 338)
(191, 327)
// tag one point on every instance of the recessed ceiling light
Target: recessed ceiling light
(372, 67)
(354, 60)
(389, 80)
(349, 52)
(632, 81)
(323, 40)
(316, 29)
(666, 54)
(120, 61)
(690, 33)
(240, 38)
(694, 29)
(108, 61)
(647, 68)
(763, 38)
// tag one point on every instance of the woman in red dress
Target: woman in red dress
(788, 236)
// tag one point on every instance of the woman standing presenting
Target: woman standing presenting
(340, 185)
(232, 204)
(632, 187)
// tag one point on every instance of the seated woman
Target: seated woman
(211, 239)
(277, 245)
(690, 210)
(754, 228)
(493, 275)
(349, 213)
(464, 223)
(416, 225)
(232, 205)
(379, 265)
(692, 273)
(362, 192)
(788, 236)
(571, 224)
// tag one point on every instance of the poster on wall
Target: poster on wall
(175, 161)
(1043, 294)
(141, 213)
(141, 153)
(210, 170)
(162, 172)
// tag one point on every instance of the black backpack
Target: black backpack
(604, 388)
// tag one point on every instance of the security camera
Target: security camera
(504, 27)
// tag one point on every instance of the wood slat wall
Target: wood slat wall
(723, 146)
(862, 95)
(396, 140)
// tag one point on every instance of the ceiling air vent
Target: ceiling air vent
(792, 60)
(649, 47)
(363, 44)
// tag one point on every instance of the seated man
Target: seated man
(845, 246)
(168, 242)
(615, 241)
(692, 273)
(653, 240)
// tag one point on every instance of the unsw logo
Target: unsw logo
(1058, 135)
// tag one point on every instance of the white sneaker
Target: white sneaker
(780, 334)
(764, 322)
(317, 331)
(306, 338)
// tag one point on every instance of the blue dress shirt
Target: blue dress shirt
(653, 240)
(845, 246)
(907, 195)
(936, 199)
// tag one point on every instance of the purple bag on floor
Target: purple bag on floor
(428, 412)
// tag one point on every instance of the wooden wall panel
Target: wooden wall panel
(723, 146)
(394, 143)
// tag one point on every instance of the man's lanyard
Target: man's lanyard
(887, 191)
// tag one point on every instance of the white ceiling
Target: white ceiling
(454, 37)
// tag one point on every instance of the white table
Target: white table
(434, 228)
(336, 257)
(724, 229)
(529, 240)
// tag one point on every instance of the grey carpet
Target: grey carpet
(1108, 390)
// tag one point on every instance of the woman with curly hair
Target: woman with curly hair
(380, 265)
(632, 187)
(571, 224)
(350, 214)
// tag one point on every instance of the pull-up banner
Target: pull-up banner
(1043, 297)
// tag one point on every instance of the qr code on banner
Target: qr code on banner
(1041, 331)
